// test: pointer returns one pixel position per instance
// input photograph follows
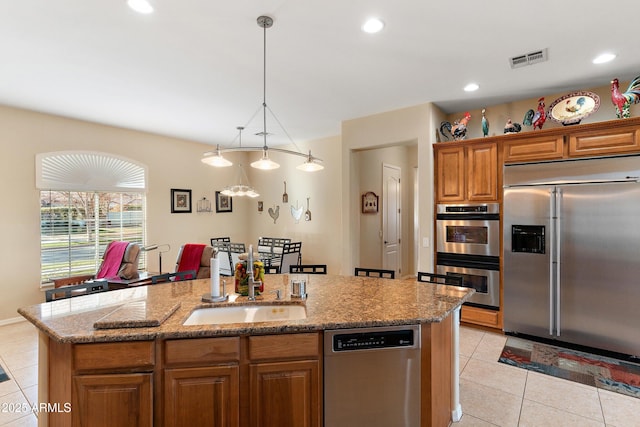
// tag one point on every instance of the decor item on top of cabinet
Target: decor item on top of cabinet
(285, 196)
(536, 118)
(296, 212)
(458, 130)
(485, 124)
(223, 203)
(180, 201)
(511, 127)
(369, 202)
(623, 101)
(571, 108)
(274, 213)
(307, 213)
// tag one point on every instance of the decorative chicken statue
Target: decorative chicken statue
(485, 124)
(511, 127)
(536, 118)
(458, 130)
(622, 101)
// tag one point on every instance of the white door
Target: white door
(391, 224)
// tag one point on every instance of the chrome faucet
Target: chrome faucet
(251, 283)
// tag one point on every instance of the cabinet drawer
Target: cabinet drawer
(287, 346)
(202, 351)
(121, 355)
(539, 148)
(481, 316)
(604, 142)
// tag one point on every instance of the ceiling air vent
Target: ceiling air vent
(528, 59)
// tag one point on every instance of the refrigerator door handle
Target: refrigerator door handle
(551, 237)
(557, 250)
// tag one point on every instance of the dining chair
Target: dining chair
(375, 272)
(69, 291)
(291, 255)
(440, 279)
(220, 239)
(308, 269)
(235, 250)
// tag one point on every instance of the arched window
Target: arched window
(87, 199)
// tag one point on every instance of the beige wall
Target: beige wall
(413, 126)
(369, 164)
(171, 163)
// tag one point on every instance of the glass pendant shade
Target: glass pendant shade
(265, 163)
(216, 159)
(310, 165)
(241, 189)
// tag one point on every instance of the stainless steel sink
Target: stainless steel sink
(246, 314)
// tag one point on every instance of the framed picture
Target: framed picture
(369, 202)
(223, 203)
(180, 201)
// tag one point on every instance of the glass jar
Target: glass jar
(242, 278)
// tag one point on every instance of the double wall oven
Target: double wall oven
(468, 245)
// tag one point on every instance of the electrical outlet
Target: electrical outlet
(425, 242)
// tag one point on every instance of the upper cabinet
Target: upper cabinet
(531, 148)
(466, 172)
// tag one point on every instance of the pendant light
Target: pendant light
(241, 189)
(215, 158)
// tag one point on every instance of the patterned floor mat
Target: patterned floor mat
(594, 370)
(3, 375)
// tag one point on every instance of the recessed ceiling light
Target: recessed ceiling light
(605, 57)
(140, 6)
(373, 25)
(471, 87)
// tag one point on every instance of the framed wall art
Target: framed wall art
(369, 202)
(180, 201)
(223, 203)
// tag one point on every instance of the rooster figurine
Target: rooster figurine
(458, 130)
(622, 101)
(536, 118)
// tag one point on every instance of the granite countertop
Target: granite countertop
(159, 311)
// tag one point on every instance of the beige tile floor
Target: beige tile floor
(491, 393)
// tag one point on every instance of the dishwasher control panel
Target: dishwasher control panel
(373, 340)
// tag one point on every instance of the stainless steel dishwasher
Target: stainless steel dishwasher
(372, 377)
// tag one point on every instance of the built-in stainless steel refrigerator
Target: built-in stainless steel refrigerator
(572, 251)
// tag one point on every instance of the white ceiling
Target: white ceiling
(193, 69)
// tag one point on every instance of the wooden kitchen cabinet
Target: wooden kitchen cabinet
(466, 172)
(285, 382)
(533, 148)
(202, 396)
(618, 140)
(113, 400)
(107, 384)
(201, 382)
(450, 174)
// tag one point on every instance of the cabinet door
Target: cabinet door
(450, 174)
(202, 396)
(285, 394)
(550, 147)
(113, 400)
(482, 172)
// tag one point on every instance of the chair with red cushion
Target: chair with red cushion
(120, 259)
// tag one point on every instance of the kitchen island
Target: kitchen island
(125, 357)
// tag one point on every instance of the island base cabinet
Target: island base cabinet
(207, 396)
(113, 400)
(285, 394)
